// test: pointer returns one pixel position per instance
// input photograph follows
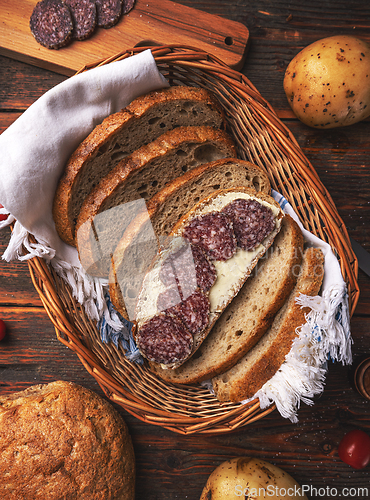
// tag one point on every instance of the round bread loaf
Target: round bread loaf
(62, 441)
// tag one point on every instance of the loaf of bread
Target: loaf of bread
(212, 228)
(244, 379)
(144, 235)
(62, 441)
(120, 134)
(112, 204)
(249, 314)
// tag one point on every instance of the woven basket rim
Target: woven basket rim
(70, 320)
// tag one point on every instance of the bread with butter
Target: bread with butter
(231, 273)
(249, 314)
(162, 212)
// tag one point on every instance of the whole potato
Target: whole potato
(328, 83)
(250, 478)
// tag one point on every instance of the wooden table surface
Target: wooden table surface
(172, 466)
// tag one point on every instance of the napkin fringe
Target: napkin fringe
(325, 335)
(88, 292)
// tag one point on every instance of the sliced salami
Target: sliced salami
(51, 23)
(169, 298)
(193, 311)
(127, 5)
(165, 339)
(189, 268)
(109, 12)
(252, 221)
(84, 17)
(214, 233)
(205, 270)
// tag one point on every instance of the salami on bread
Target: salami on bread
(248, 376)
(111, 205)
(250, 313)
(141, 122)
(132, 256)
(210, 227)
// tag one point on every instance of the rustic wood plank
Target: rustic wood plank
(148, 22)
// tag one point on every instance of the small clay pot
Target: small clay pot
(362, 378)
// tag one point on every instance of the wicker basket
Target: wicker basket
(262, 139)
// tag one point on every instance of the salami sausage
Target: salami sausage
(84, 17)
(193, 311)
(169, 298)
(165, 339)
(127, 5)
(51, 23)
(189, 268)
(252, 221)
(214, 233)
(109, 12)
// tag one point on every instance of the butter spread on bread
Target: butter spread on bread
(142, 238)
(249, 314)
(218, 243)
(120, 134)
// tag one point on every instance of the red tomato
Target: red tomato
(2, 329)
(2, 216)
(354, 449)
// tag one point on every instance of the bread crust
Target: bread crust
(241, 325)
(231, 293)
(114, 187)
(66, 207)
(260, 364)
(164, 208)
(61, 440)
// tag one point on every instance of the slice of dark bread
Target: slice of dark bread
(140, 176)
(250, 313)
(262, 362)
(120, 134)
(231, 273)
(162, 212)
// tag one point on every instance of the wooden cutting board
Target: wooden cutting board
(153, 22)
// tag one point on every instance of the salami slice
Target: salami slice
(252, 221)
(127, 5)
(164, 339)
(189, 268)
(109, 12)
(169, 298)
(51, 23)
(193, 312)
(214, 233)
(84, 17)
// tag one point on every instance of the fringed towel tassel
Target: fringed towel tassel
(302, 375)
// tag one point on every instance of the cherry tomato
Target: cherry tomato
(2, 216)
(354, 449)
(2, 329)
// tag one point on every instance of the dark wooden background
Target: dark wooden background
(172, 466)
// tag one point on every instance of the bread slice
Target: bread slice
(231, 273)
(111, 206)
(262, 362)
(142, 121)
(249, 314)
(162, 212)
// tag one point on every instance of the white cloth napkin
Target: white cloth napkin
(35, 148)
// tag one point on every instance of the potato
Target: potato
(328, 83)
(250, 478)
